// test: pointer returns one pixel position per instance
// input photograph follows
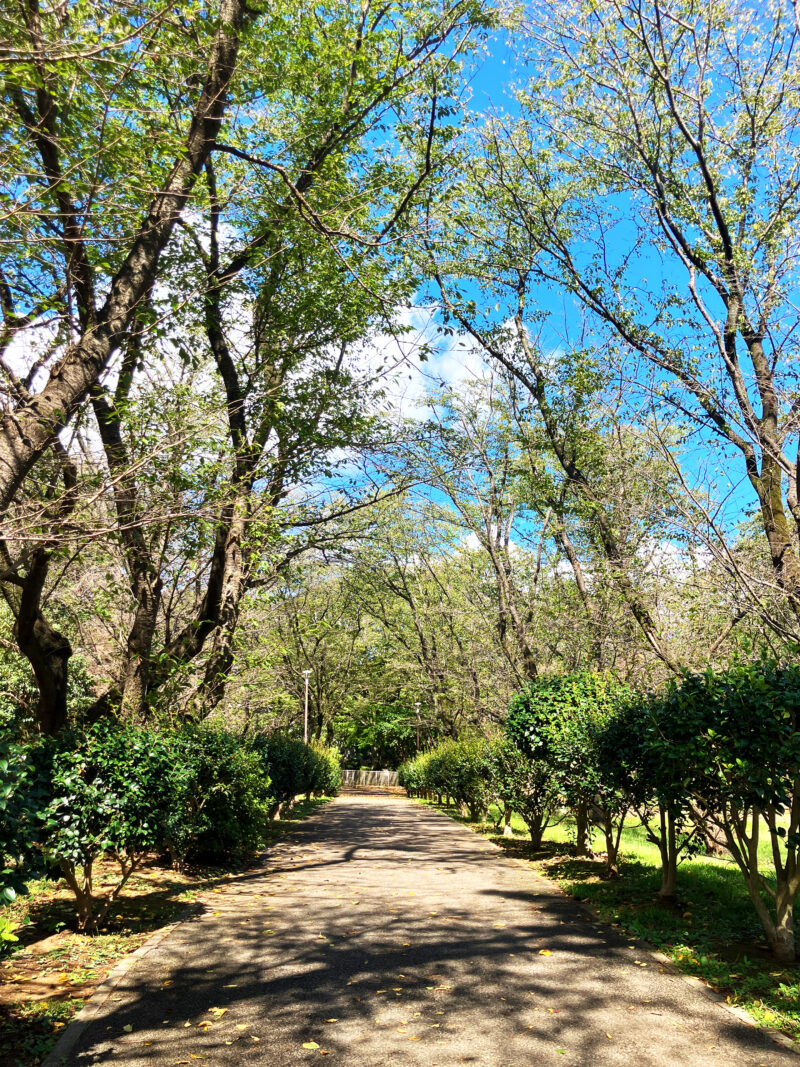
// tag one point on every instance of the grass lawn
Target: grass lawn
(47, 976)
(713, 934)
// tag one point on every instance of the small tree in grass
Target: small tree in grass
(459, 769)
(111, 788)
(559, 721)
(733, 737)
(523, 784)
(649, 774)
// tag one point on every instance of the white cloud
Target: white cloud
(419, 362)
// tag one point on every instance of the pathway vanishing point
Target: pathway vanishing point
(382, 932)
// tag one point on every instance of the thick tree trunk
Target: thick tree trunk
(47, 650)
(28, 430)
(782, 543)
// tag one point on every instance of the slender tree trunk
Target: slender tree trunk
(507, 831)
(582, 830)
(668, 847)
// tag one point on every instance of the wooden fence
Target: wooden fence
(383, 779)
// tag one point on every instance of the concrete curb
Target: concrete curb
(91, 1009)
(60, 1052)
(647, 949)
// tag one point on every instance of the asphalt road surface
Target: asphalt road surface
(382, 932)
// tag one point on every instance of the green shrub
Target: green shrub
(23, 792)
(524, 784)
(110, 794)
(560, 721)
(458, 769)
(295, 768)
(326, 773)
(411, 775)
(649, 774)
(734, 736)
(220, 795)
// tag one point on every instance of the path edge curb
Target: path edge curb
(697, 984)
(58, 1054)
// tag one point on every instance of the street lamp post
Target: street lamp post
(306, 675)
(417, 706)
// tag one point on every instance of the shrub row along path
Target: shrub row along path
(384, 933)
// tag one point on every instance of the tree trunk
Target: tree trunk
(668, 848)
(507, 831)
(612, 836)
(28, 431)
(47, 650)
(782, 545)
(783, 942)
(582, 830)
(138, 651)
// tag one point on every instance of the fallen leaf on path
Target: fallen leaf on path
(217, 1012)
(128, 1028)
(168, 982)
(545, 952)
(310, 1044)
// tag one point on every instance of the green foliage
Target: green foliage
(219, 796)
(561, 721)
(327, 771)
(377, 736)
(459, 769)
(733, 736)
(110, 791)
(121, 791)
(22, 793)
(524, 784)
(294, 768)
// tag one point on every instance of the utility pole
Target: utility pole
(306, 675)
(416, 706)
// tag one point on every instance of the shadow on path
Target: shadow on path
(384, 933)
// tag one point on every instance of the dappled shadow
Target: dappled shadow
(386, 933)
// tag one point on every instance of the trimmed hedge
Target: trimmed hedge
(457, 769)
(295, 768)
(122, 791)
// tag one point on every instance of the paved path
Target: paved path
(387, 934)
